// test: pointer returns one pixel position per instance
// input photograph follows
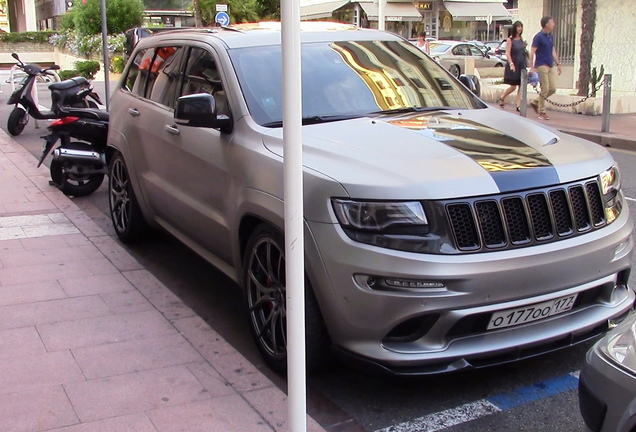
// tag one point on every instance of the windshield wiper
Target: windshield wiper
(411, 109)
(316, 119)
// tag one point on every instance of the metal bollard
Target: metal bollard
(607, 102)
(523, 88)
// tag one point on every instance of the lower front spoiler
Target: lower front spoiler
(478, 362)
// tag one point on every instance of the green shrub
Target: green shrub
(36, 36)
(117, 64)
(87, 69)
(66, 74)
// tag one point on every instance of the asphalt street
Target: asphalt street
(538, 394)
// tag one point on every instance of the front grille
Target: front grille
(527, 218)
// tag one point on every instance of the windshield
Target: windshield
(348, 79)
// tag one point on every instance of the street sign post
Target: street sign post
(222, 18)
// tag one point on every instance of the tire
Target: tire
(92, 104)
(455, 70)
(18, 119)
(264, 283)
(72, 184)
(499, 65)
(127, 219)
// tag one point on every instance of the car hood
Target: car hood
(443, 154)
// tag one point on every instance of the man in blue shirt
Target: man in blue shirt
(543, 58)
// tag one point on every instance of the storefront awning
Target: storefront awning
(393, 12)
(320, 10)
(477, 11)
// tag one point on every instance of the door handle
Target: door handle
(133, 112)
(172, 129)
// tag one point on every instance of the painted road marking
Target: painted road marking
(30, 226)
(484, 407)
(630, 199)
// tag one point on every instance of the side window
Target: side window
(165, 76)
(202, 76)
(476, 52)
(136, 77)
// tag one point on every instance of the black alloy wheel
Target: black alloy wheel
(127, 219)
(264, 279)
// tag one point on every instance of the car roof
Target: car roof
(269, 33)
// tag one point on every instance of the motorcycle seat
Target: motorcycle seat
(69, 83)
(89, 113)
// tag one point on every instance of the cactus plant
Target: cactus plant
(596, 79)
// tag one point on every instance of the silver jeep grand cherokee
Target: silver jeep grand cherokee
(440, 234)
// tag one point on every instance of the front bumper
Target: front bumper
(607, 394)
(452, 334)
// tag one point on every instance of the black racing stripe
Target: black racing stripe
(512, 164)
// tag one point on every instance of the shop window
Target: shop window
(564, 15)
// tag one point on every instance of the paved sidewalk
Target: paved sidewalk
(91, 341)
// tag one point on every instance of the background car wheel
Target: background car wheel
(499, 65)
(454, 69)
(73, 184)
(264, 281)
(127, 219)
(18, 119)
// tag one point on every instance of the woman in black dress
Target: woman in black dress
(517, 61)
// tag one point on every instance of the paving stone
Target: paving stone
(271, 403)
(49, 256)
(134, 393)
(42, 272)
(135, 355)
(127, 423)
(211, 379)
(104, 329)
(37, 371)
(20, 342)
(229, 363)
(161, 297)
(51, 311)
(36, 410)
(115, 253)
(227, 414)
(75, 287)
(100, 266)
(31, 292)
(126, 302)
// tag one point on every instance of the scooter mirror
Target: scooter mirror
(54, 67)
(15, 56)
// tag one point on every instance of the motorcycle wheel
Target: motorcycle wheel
(73, 184)
(18, 119)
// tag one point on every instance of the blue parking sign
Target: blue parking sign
(222, 18)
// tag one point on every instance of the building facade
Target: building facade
(613, 37)
(441, 19)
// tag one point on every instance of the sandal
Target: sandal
(518, 109)
(502, 103)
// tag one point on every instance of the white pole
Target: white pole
(381, 23)
(105, 52)
(294, 225)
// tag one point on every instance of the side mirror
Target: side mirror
(199, 110)
(54, 67)
(15, 56)
(471, 82)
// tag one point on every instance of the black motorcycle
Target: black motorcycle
(78, 167)
(69, 93)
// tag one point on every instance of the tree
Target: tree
(120, 16)
(239, 10)
(269, 9)
(588, 26)
(198, 20)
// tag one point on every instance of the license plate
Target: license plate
(535, 312)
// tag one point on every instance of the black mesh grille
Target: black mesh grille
(561, 211)
(596, 203)
(490, 223)
(540, 216)
(528, 218)
(516, 220)
(581, 215)
(463, 226)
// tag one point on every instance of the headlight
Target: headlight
(618, 346)
(612, 198)
(393, 225)
(379, 216)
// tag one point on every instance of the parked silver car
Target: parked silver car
(607, 385)
(452, 55)
(440, 234)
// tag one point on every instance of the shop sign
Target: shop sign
(425, 6)
(394, 18)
